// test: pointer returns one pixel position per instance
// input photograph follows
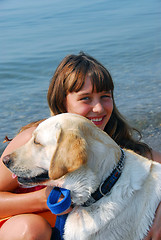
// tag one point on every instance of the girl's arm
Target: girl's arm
(11, 203)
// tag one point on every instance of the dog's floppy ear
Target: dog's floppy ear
(71, 153)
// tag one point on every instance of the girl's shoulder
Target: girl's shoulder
(19, 140)
(7, 183)
(23, 136)
(156, 156)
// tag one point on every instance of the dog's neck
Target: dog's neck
(105, 156)
(105, 187)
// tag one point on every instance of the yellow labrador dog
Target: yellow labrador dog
(115, 192)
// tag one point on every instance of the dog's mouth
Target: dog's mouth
(43, 177)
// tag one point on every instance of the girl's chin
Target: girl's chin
(99, 126)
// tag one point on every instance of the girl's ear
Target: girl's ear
(70, 154)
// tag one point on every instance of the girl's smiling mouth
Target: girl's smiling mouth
(97, 120)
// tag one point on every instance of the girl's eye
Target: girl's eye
(106, 96)
(84, 98)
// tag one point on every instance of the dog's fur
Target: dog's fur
(69, 151)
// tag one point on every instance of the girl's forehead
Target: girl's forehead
(98, 81)
(87, 84)
(91, 85)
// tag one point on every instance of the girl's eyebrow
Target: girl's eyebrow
(81, 93)
(84, 92)
(107, 92)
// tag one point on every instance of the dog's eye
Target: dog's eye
(36, 142)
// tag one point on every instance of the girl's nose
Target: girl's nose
(98, 108)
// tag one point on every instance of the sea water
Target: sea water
(124, 35)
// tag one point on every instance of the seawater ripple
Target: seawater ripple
(124, 35)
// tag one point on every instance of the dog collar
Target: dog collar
(105, 188)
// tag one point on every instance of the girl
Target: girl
(83, 86)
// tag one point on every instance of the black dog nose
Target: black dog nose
(7, 160)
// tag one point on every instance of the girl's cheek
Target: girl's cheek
(84, 110)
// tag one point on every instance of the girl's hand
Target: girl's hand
(155, 231)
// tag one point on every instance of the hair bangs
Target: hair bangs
(101, 79)
(77, 68)
(76, 77)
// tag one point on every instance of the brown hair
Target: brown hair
(70, 76)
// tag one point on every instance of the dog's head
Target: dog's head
(59, 149)
(55, 149)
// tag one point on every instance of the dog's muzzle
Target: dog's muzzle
(34, 180)
(25, 177)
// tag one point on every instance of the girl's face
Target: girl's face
(96, 106)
